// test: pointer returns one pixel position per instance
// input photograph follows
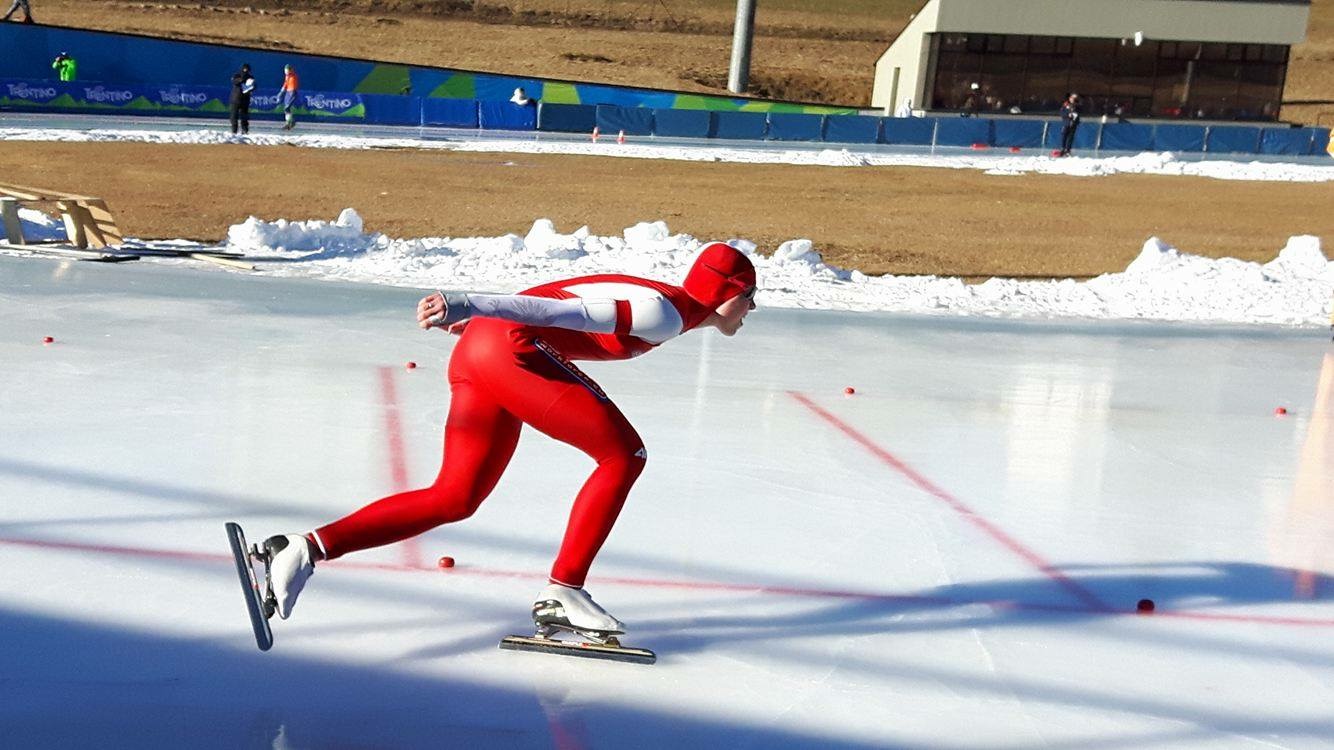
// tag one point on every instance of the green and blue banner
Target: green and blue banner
(92, 96)
(134, 60)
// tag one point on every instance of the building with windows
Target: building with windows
(1195, 59)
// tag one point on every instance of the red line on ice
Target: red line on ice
(743, 588)
(398, 465)
(987, 527)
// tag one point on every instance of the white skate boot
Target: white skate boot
(564, 608)
(561, 609)
(290, 564)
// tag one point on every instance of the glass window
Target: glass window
(1213, 90)
(1170, 88)
(1259, 91)
(1159, 79)
(1091, 71)
(955, 74)
(1043, 45)
(1046, 83)
(953, 41)
(1133, 72)
(1003, 82)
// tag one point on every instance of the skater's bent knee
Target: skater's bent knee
(450, 507)
(629, 460)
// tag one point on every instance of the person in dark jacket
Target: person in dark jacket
(243, 85)
(1069, 123)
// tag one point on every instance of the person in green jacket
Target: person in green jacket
(65, 66)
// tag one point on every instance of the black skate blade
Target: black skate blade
(254, 597)
(572, 648)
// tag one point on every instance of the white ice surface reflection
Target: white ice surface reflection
(949, 558)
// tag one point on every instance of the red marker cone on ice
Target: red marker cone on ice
(620, 137)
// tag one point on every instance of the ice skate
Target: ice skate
(561, 609)
(289, 564)
(256, 597)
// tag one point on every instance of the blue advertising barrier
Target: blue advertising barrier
(1086, 135)
(506, 116)
(449, 113)
(1320, 143)
(963, 131)
(1126, 136)
(141, 60)
(633, 120)
(1223, 139)
(851, 129)
(384, 109)
(1294, 141)
(566, 118)
(795, 127)
(1018, 133)
(1178, 138)
(179, 100)
(746, 126)
(681, 123)
(907, 131)
(175, 100)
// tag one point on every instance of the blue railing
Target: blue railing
(934, 132)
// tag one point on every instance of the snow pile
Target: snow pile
(1163, 283)
(997, 161)
(345, 235)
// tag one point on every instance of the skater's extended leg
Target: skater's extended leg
(480, 437)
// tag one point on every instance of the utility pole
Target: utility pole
(738, 76)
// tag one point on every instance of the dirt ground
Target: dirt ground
(877, 220)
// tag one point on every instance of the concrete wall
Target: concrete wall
(908, 54)
(1188, 20)
(1247, 21)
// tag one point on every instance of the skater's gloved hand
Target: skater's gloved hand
(444, 311)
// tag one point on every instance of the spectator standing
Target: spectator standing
(27, 11)
(243, 85)
(1069, 123)
(970, 102)
(905, 109)
(289, 97)
(65, 66)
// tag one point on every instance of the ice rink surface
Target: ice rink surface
(948, 558)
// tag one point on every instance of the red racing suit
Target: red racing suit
(504, 374)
